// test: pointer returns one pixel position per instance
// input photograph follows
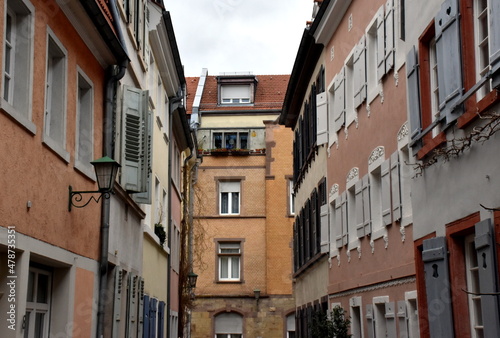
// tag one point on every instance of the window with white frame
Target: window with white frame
(38, 299)
(235, 94)
(158, 207)
(230, 140)
(85, 120)
(176, 165)
(291, 198)
(356, 317)
(434, 90)
(481, 36)
(290, 326)
(472, 274)
(349, 91)
(229, 197)
(371, 60)
(379, 318)
(55, 98)
(229, 325)
(18, 61)
(229, 259)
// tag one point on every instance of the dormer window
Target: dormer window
(235, 94)
(236, 89)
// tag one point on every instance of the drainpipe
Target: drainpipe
(108, 149)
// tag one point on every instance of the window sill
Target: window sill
(16, 116)
(431, 144)
(85, 170)
(229, 281)
(56, 148)
(484, 104)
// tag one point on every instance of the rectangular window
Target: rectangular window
(176, 165)
(85, 122)
(38, 303)
(349, 91)
(434, 86)
(291, 198)
(356, 317)
(229, 261)
(230, 140)
(236, 94)
(229, 198)
(481, 30)
(474, 297)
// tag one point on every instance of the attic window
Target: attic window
(236, 89)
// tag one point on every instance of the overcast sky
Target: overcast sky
(260, 36)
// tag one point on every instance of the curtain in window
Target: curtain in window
(224, 203)
(244, 140)
(235, 267)
(231, 140)
(224, 267)
(217, 140)
(235, 203)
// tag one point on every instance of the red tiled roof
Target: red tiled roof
(191, 86)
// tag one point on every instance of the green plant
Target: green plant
(334, 325)
(160, 232)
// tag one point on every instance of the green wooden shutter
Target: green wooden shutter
(413, 93)
(488, 281)
(437, 285)
(321, 119)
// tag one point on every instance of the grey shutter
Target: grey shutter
(390, 320)
(437, 285)
(380, 44)
(135, 144)
(145, 310)
(358, 191)
(389, 36)
(321, 119)
(161, 318)
(367, 223)
(413, 92)
(339, 100)
(153, 302)
(488, 282)
(345, 228)
(385, 188)
(132, 305)
(395, 187)
(402, 319)
(140, 309)
(494, 40)
(117, 301)
(448, 52)
(370, 321)
(338, 221)
(146, 165)
(324, 228)
(359, 69)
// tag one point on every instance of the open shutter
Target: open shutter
(380, 43)
(390, 320)
(370, 321)
(395, 187)
(341, 219)
(324, 228)
(321, 119)
(389, 35)
(339, 101)
(488, 283)
(448, 52)
(437, 285)
(386, 192)
(140, 308)
(367, 223)
(117, 302)
(146, 163)
(358, 196)
(359, 68)
(413, 92)
(161, 319)
(402, 319)
(494, 40)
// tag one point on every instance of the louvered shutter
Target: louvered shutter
(385, 188)
(146, 32)
(390, 320)
(380, 43)
(358, 193)
(367, 224)
(488, 282)
(295, 245)
(448, 52)
(395, 187)
(324, 228)
(313, 223)
(152, 317)
(359, 68)
(136, 147)
(437, 285)
(322, 118)
(146, 196)
(132, 305)
(389, 36)
(370, 321)
(117, 302)
(345, 229)
(339, 101)
(161, 318)
(145, 324)
(140, 307)
(402, 319)
(340, 220)
(494, 40)
(413, 92)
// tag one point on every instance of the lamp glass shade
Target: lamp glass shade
(191, 279)
(105, 171)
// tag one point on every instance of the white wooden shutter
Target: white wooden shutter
(367, 223)
(386, 192)
(390, 320)
(358, 193)
(339, 100)
(448, 52)
(488, 282)
(494, 40)
(370, 321)
(437, 284)
(321, 119)
(132, 306)
(345, 228)
(324, 228)
(140, 309)
(402, 319)
(389, 36)
(117, 301)
(413, 92)
(395, 187)
(359, 69)
(380, 43)
(341, 219)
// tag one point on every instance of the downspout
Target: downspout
(108, 149)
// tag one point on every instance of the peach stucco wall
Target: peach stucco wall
(82, 318)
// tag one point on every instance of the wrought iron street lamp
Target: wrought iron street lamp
(105, 171)
(191, 280)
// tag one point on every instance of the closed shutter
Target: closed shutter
(132, 305)
(402, 319)
(117, 302)
(413, 92)
(448, 52)
(145, 324)
(341, 219)
(358, 193)
(161, 318)
(395, 187)
(295, 245)
(380, 44)
(153, 306)
(367, 223)
(494, 40)
(437, 285)
(385, 188)
(314, 224)
(345, 229)
(488, 281)
(370, 321)
(339, 101)
(359, 68)
(322, 119)
(389, 36)
(324, 228)
(140, 308)
(136, 140)
(390, 320)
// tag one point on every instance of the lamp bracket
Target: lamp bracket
(76, 197)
